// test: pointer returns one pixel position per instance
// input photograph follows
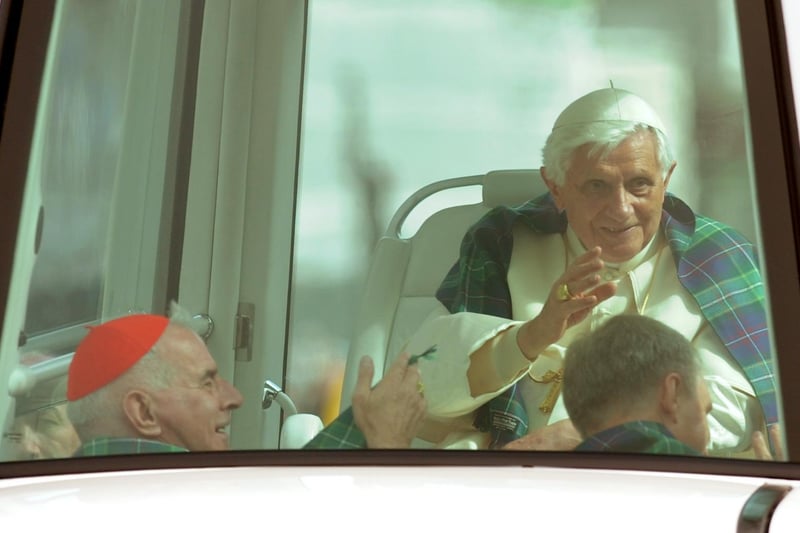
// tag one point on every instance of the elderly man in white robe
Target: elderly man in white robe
(606, 240)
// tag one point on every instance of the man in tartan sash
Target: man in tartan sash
(606, 240)
(634, 385)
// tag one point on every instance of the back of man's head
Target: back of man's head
(616, 371)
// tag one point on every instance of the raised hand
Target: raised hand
(571, 299)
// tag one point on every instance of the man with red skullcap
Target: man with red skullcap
(145, 383)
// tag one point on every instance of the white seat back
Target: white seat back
(400, 291)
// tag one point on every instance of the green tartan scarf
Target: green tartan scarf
(125, 446)
(639, 436)
(715, 264)
(341, 434)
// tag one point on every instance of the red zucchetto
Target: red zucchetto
(109, 350)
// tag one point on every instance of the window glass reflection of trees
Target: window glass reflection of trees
(402, 93)
(79, 159)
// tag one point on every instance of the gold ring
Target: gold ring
(563, 293)
(421, 388)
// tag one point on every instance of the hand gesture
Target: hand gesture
(571, 299)
(390, 414)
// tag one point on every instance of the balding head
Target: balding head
(161, 385)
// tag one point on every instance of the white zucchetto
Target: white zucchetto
(610, 104)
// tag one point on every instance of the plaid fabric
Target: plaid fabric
(641, 436)
(715, 264)
(341, 434)
(119, 446)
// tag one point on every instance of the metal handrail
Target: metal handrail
(396, 224)
(23, 378)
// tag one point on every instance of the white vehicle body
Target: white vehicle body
(219, 194)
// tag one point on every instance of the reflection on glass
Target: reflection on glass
(791, 19)
(399, 97)
(41, 428)
(84, 101)
(107, 181)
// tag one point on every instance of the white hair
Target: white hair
(180, 316)
(603, 137)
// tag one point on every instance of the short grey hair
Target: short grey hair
(620, 364)
(603, 137)
(180, 316)
(99, 411)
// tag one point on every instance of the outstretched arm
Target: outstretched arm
(570, 300)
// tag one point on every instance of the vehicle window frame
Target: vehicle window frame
(774, 154)
(19, 82)
(26, 34)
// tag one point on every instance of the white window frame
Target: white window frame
(240, 206)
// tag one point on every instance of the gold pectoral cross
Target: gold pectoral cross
(556, 379)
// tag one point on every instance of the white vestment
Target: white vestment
(646, 284)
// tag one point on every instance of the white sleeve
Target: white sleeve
(457, 336)
(734, 414)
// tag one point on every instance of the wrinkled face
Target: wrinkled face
(195, 411)
(45, 434)
(692, 425)
(615, 203)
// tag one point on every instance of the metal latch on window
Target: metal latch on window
(243, 332)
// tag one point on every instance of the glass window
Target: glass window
(103, 152)
(397, 96)
(402, 94)
(83, 122)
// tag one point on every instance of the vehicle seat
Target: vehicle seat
(406, 272)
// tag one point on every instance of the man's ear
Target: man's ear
(669, 397)
(139, 409)
(555, 190)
